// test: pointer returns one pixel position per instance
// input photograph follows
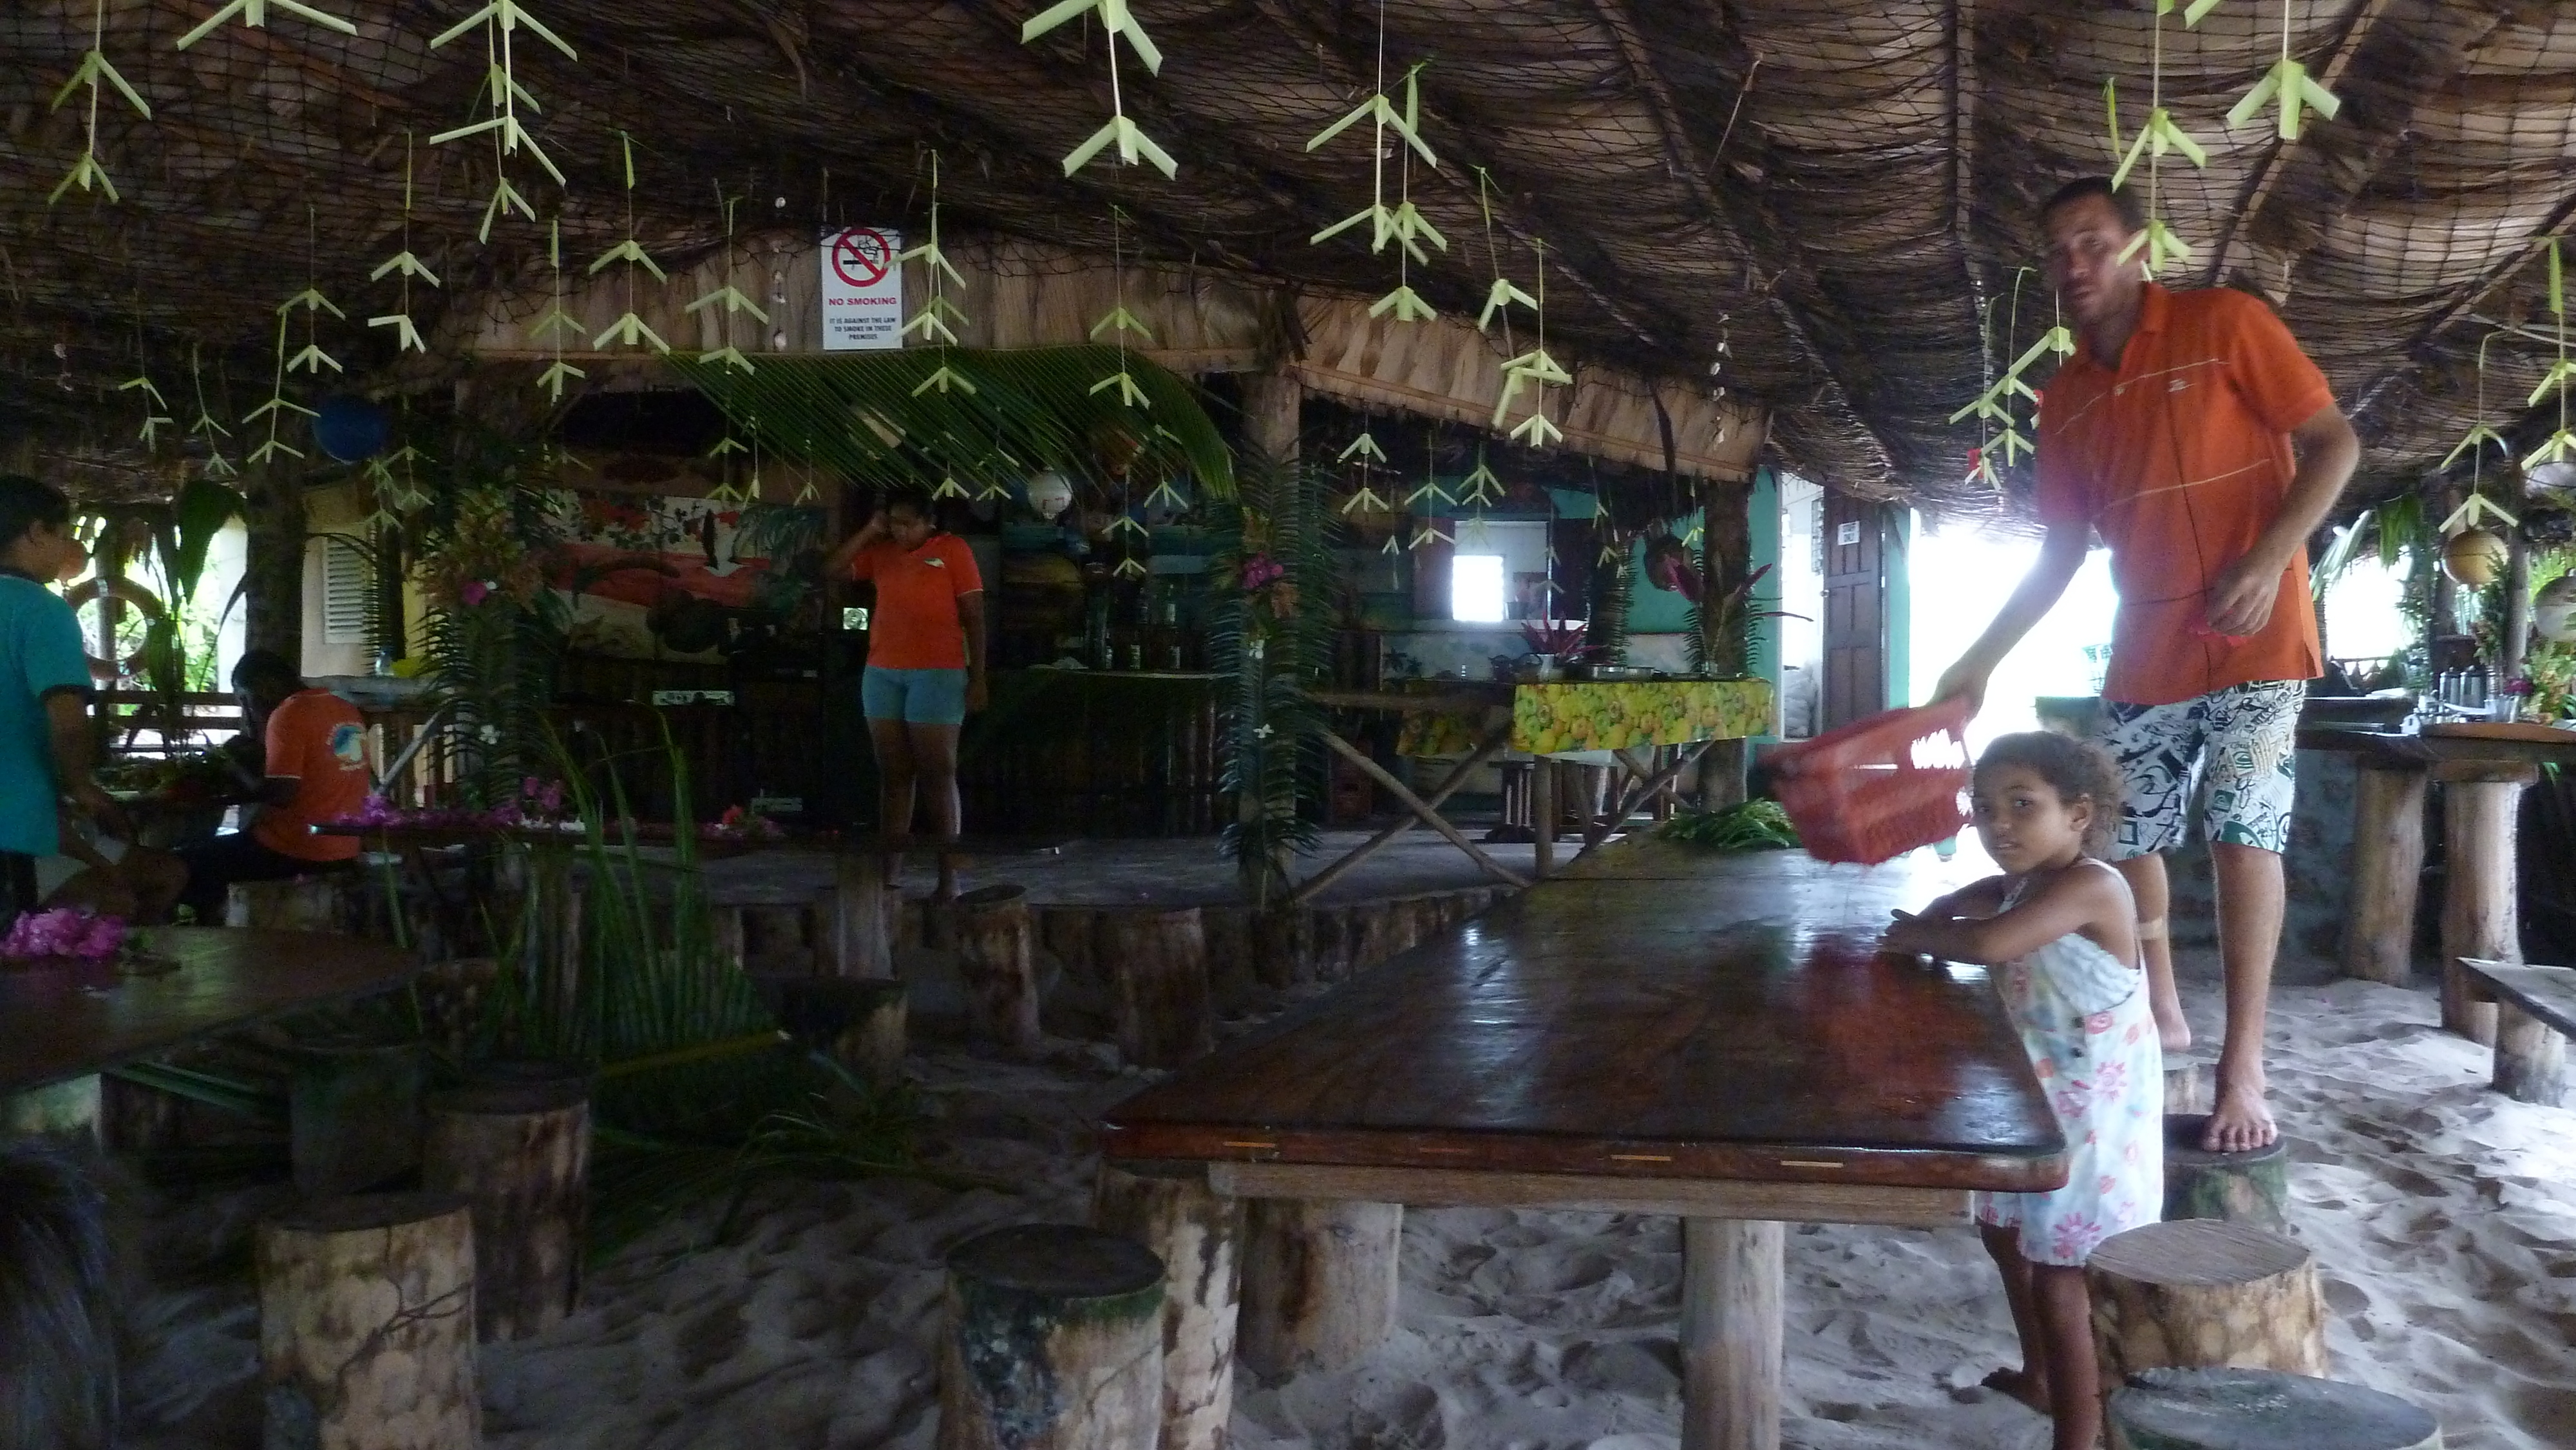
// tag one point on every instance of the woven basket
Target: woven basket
(1879, 787)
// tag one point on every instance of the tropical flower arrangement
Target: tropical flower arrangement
(63, 933)
(539, 803)
(1266, 583)
(483, 556)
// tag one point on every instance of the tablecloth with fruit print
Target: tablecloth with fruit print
(1561, 718)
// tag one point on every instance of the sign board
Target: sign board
(1846, 533)
(862, 289)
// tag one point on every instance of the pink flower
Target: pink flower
(39, 935)
(475, 591)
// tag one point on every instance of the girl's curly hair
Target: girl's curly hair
(2074, 769)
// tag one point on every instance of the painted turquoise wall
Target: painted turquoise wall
(1900, 608)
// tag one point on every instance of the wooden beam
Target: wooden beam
(1413, 803)
(1314, 885)
(1595, 1193)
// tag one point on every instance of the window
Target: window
(1478, 589)
(346, 582)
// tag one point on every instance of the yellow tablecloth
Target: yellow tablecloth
(1557, 719)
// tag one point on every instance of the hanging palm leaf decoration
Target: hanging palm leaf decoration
(868, 416)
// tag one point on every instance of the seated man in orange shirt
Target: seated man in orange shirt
(2193, 435)
(317, 770)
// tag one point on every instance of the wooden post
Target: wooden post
(1319, 1279)
(1156, 962)
(1543, 813)
(996, 954)
(2387, 866)
(1271, 403)
(273, 563)
(2248, 1188)
(1053, 1341)
(2222, 1409)
(2198, 1292)
(2530, 1058)
(1198, 1234)
(859, 1024)
(1731, 1333)
(860, 947)
(2477, 896)
(353, 1113)
(521, 1156)
(366, 1324)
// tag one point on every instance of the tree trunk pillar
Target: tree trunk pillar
(1156, 962)
(366, 1325)
(520, 1155)
(2387, 866)
(1319, 1279)
(1198, 1234)
(1731, 1333)
(1053, 1341)
(2477, 898)
(997, 955)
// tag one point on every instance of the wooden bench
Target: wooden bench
(2535, 1010)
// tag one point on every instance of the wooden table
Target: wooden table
(2482, 772)
(1655, 1031)
(64, 1022)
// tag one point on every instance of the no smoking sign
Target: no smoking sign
(862, 289)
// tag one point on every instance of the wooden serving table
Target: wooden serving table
(1542, 720)
(2482, 769)
(1655, 1031)
(65, 1021)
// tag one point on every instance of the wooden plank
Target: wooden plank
(1734, 1024)
(1597, 1193)
(1428, 816)
(1313, 886)
(2548, 993)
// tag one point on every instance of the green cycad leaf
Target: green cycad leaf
(2159, 136)
(632, 251)
(1537, 366)
(406, 336)
(1132, 146)
(2288, 84)
(94, 68)
(313, 359)
(931, 255)
(279, 404)
(2560, 374)
(505, 199)
(406, 264)
(85, 174)
(559, 320)
(2558, 447)
(1119, 319)
(733, 299)
(627, 330)
(311, 300)
(254, 15)
(1406, 304)
(1132, 395)
(1364, 499)
(1431, 490)
(945, 378)
(2476, 438)
(1501, 297)
(145, 383)
(1363, 446)
(1537, 431)
(511, 16)
(2467, 514)
(730, 357)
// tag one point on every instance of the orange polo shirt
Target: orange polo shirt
(317, 740)
(914, 625)
(2181, 458)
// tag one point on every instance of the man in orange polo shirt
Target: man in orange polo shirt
(2193, 435)
(316, 770)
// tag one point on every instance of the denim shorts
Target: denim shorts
(916, 697)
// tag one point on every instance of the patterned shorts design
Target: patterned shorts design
(2241, 743)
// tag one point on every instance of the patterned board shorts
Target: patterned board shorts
(2239, 743)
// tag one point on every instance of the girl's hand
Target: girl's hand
(1904, 935)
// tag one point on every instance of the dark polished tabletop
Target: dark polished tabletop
(1653, 1012)
(60, 1022)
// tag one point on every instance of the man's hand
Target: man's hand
(978, 695)
(1968, 677)
(2242, 596)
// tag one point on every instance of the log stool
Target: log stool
(997, 956)
(298, 903)
(857, 1022)
(66, 1112)
(2200, 1293)
(366, 1324)
(2190, 1087)
(1319, 1279)
(1156, 962)
(1198, 1234)
(2248, 1188)
(2252, 1409)
(2535, 1009)
(353, 1113)
(1053, 1341)
(519, 1153)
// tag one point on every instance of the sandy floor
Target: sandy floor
(2444, 1215)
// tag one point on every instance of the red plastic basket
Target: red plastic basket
(1878, 787)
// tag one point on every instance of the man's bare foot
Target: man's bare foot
(2242, 1122)
(2021, 1385)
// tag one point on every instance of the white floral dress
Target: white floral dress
(2083, 1017)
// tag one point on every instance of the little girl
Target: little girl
(2061, 928)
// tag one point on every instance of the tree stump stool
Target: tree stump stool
(2248, 1188)
(1319, 1279)
(1053, 1341)
(66, 1112)
(450, 994)
(299, 903)
(2252, 1409)
(366, 1324)
(2190, 1087)
(520, 1155)
(2199, 1293)
(1156, 962)
(353, 1113)
(1198, 1234)
(858, 1022)
(997, 956)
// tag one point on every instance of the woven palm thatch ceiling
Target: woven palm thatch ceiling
(1829, 198)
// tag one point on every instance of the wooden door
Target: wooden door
(1855, 609)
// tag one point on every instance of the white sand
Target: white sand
(2444, 1215)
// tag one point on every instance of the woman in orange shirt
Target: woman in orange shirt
(925, 661)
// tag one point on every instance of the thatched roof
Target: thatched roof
(1828, 194)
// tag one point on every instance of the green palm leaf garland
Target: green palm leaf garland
(155, 415)
(1364, 498)
(2559, 446)
(253, 14)
(2288, 86)
(551, 328)
(729, 297)
(1995, 404)
(2157, 137)
(310, 359)
(397, 488)
(93, 69)
(277, 405)
(1118, 21)
(204, 426)
(937, 312)
(1118, 322)
(1429, 498)
(629, 330)
(1533, 367)
(501, 21)
(406, 265)
(1403, 223)
(1502, 296)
